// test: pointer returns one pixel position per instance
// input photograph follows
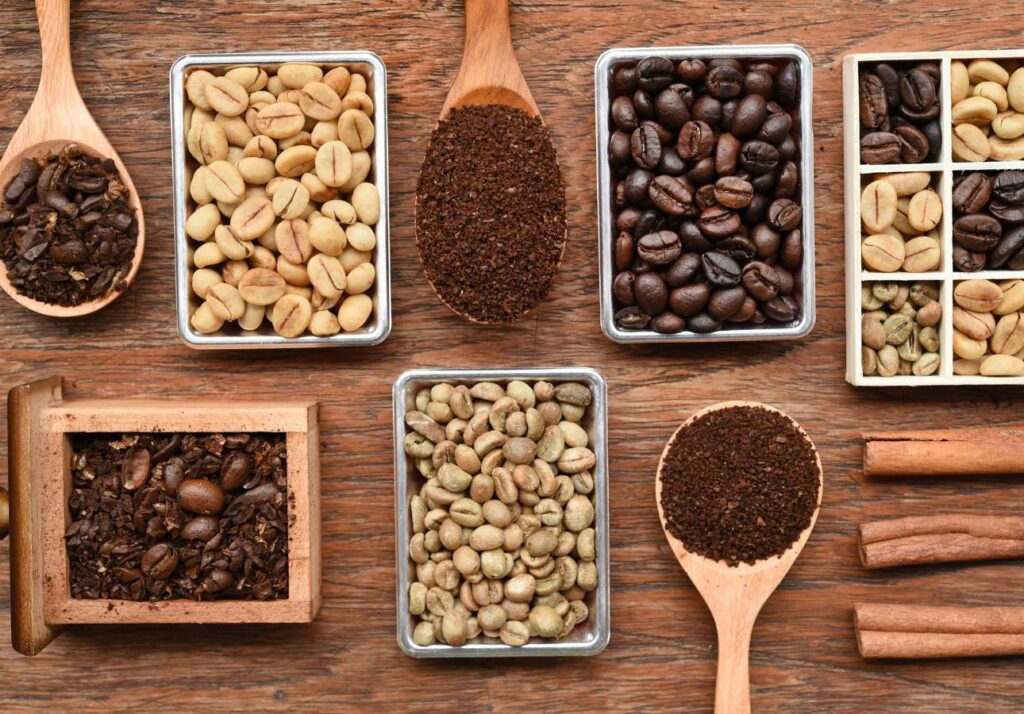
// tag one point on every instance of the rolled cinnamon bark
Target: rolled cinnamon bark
(940, 539)
(988, 451)
(912, 632)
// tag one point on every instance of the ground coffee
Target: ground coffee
(490, 213)
(169, 516)
(739, 484)
(68, 231)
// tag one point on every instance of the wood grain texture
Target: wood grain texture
(661, 657)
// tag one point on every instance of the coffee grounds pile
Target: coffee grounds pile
(68, 230)
(178, 516)
(739, 485)
(490, 212)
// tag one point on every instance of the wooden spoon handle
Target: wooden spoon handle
(5, 514)
(57, 77)
(732, 691)
(487, 30)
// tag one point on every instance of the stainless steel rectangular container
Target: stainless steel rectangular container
(589, 639)
(374, 332)
(606, 64)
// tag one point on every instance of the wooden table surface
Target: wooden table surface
(662, 652)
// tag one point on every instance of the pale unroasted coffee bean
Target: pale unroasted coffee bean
(326, 275)
(291, 315)
(925, 210)
(978, 295)
(355, 310)
(253, 217)
(224, 182)
(226, 97)
(1001, 365)
(334, 163)
(319, 101)
(883, 252)
(225, 301)
(355, 129)
(261, 286)
(327, 236)
(295, 161)
(878, 206)
(279, 120)
(921, 254)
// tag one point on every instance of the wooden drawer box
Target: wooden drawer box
(40, 423)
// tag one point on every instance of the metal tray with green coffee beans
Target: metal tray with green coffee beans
(501, 504)
(934, 170)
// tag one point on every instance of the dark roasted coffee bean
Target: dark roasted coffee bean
(632, 318)
(784, 214)
(201, 496)
(668, 323)
(933, 132)
(650, 222)
(972, 192)
(917, 91)
(727, 155)
(792, 252)
(765, 183)
(702, 172)
(696, 140)
(664, 135)
(622, 288)
(977, 232)
(692, 239)
(135, 471)
(728, 114)
(654, 73)
(880, 147)
(683, 270)
(766, 240)
(718, 222)
(619, 148)
(931, 69)
(688, 300)
(965, 261)
(201, 528)
(637, 183)
(659, 248)
(705, 197)
(750, 116)
(756, 212)
(919, 117)
(624, 115)
(69, 252)
(672, 105)
(874, 109)
(619, 195)
(914, 144)
(759, 82)
(159, 562)
(235, 471)
(891, 82)
(1009, 186)
(724, 82)
(786, 280)
(643, 105)
(737, 247)
(707, 109)
(1011, 214)
(733, 192)
(787, 149)
(628, 217)
(720, 269)
(746, 310)
(703, 324)
(776, 128)
(624, 80)
(1008, 247)
(781, 309)
(761, 281)
(1016, 262)
(789, 180)
(623, 251)
(672, 163)
(670, 195)
(759, 157)
(787, 85)
(691, 70)
(645, 146)
(218, 580)
(724, 303)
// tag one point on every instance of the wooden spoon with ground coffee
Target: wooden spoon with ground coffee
(738, 490)
(490, 203)
(59, 117)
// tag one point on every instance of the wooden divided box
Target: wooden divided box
(39, 475)
(945, 166)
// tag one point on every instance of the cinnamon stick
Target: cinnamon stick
(983, 451)
(940, 539)
(912, 631)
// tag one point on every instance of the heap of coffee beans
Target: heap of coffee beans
(178, 516)
(900, 329)
(503, 541)
(988, 230)
(901, 214)
(283, 210)
(68, 230)
(899, 113)
(706, 189)
(988, 328)
(739, 484)
(490, 213)
(988, 110)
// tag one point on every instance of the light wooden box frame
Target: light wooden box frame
(945, 168)
(40, 480)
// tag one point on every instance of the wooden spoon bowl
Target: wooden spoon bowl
(734, 594)
(58, 117)
(489, 74)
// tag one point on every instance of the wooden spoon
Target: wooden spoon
(734, 595)
(57, 117)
